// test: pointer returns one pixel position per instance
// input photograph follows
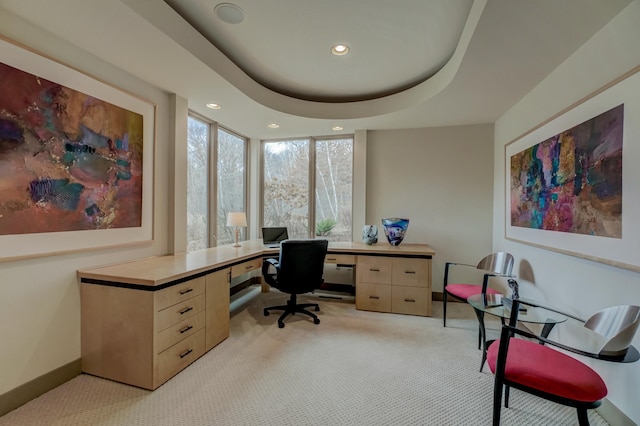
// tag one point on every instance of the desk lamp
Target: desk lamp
(237, 219)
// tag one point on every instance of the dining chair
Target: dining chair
(499, 264)
(531, 363)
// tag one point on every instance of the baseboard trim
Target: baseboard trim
(22, 394)
(613, 415)
(437, 297)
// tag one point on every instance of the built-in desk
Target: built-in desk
(144, 321)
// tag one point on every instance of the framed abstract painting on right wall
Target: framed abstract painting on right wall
(572, 183)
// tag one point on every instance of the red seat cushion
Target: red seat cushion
(548, 370)
(463, 291)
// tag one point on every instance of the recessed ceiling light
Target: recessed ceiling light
(337, 128)
(229, 13)
(340, 49)
(273, 126)
(213, 106)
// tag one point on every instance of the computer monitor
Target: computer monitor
(272, 236)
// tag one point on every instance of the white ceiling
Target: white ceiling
(454, 61)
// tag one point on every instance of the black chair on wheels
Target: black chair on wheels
(298, 270)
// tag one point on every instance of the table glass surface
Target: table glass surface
(500, 306)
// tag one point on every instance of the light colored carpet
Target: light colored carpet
(354, 368)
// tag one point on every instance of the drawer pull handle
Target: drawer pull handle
(187, 328)
(185, 353)
(374, 270)
(248, 267)
(185, 291)
(410, 300)
(409, 272)
(331, 258)
(374, 297)
(185, 310)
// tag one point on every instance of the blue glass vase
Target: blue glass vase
(394, 229)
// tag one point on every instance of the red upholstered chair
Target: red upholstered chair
(499, 264)
(535, 366)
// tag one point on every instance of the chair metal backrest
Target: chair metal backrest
(499, 263)
(301, 265)
(618, 324)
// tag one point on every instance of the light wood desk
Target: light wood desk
(144, 321)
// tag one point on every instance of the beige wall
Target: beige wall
(580, 285)
(441, 179)
(40, 298)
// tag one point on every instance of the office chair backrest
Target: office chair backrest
(500, 263)
(301, 265)
(618, 324)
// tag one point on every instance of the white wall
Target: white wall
(40, 298)
(581, 286)
(441, 179)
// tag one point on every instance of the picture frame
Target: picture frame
(623, 252)
(37, 244)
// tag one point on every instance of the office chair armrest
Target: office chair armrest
(266, 263)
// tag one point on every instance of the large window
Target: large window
(212, 192)
(307, 187)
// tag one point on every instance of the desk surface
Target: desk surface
(158, 270)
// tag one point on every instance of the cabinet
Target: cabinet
(393, 284)
(144, 337)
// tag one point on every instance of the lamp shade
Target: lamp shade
(237, 219)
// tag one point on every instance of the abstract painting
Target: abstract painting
(68, 161)
(572, 181)
(76, 159)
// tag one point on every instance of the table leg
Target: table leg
(548, 326)
(483, 336)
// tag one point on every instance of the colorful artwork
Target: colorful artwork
(572, 182)
(68, 161)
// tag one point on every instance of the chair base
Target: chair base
(291, 308)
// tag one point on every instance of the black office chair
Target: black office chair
(298, 270)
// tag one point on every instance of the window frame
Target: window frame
(212, 176)
(312, 177)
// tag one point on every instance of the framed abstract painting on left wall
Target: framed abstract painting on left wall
(76, 159)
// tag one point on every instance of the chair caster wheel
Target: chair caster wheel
(317, 308)
(266, 313)
(316, 321)
(280, 325)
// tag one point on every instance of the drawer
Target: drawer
(179, 292)
(373, 297)
(177, 357)
(410, 300)
(373, 270)
(179, 312)
(411, 272)
(340, 259)
(244, 267)
(179, 331)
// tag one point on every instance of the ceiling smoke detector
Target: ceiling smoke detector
(229, 13)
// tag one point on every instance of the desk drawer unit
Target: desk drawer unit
(340, 259)
(245, 267)
(144, 337)
(373, 297)
(171, 361)
(394, 284)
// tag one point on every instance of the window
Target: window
(307, 187)
(197, 184)
(206, 220)
(231, 173)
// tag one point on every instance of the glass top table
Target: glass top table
(500, 306)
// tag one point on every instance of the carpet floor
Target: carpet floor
(354, 368)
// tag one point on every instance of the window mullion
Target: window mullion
(213, 186)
